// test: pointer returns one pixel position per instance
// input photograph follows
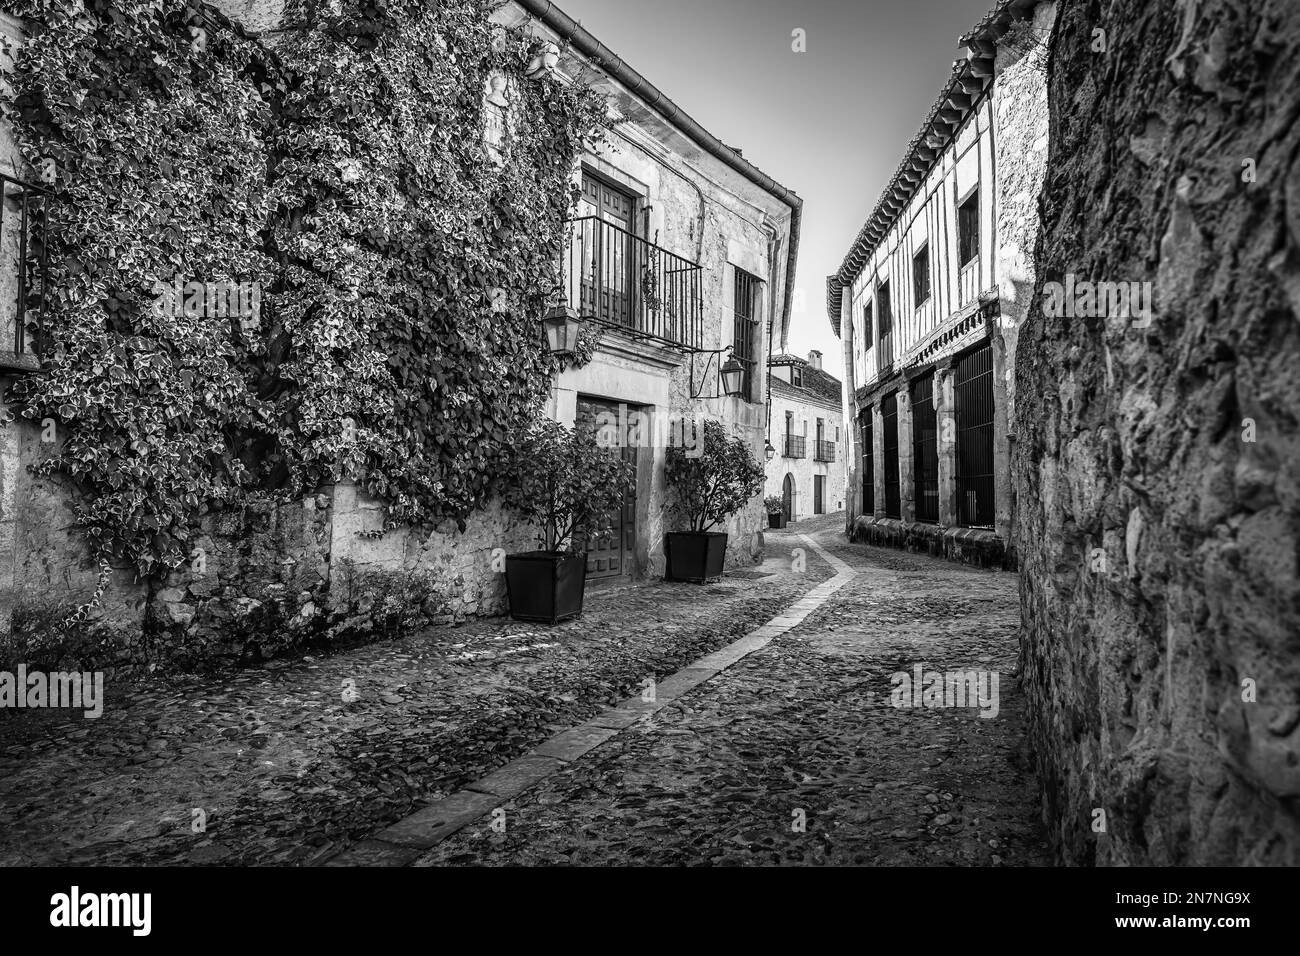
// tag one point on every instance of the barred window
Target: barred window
(973, 403)
(925, 450)
(889, 421)
(745, 339)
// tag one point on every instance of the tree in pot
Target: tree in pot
(775, 511)
(711, 485)
(569, 487)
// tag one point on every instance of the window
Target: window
(968, 229)
(866, 327)
(796, 376)
(795, 445)
(604, 252)
(925, 450)
(889, 422)
(886, 330)
(973, 403)
(868, 465)
(921, 276)
(745, 341)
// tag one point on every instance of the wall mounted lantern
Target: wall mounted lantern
(562, 325)
(733, 377)
(769, 452)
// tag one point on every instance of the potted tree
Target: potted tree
(569, 487)
(711, 485)
(775, 511)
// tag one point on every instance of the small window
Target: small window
(921, 276)
(968, 229)
(796, 376)
(866, 326)
(745, 340)
(886, 312)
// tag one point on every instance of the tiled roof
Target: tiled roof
(817, 384)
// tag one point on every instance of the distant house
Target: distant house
(807, 470)
(929, 299)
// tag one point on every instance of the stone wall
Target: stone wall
(1158, 465)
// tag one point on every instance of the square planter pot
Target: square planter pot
(775, 519)
(545, 586)
(694, 556)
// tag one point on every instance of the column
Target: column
(946, 420)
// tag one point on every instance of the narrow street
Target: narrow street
(795, 754)
(286, 771)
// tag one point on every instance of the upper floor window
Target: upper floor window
(796, 376)
(885, 325)
(968, 229)
(866, 327)
(921, 276)
(745, 341)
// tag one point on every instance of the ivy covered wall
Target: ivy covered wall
(398, 276)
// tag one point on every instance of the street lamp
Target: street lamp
(769, 452)
(562, 325)
(733, 377)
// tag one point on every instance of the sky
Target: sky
(831, 123)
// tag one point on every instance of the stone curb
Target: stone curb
(402, 843)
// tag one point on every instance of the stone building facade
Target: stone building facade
(694, 206)
(1158, 455)
(807, 432)
(667, 204)
(928, 299)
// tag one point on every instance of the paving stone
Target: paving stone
(434, 822)
(516, 776)
(375, 853)
(574, 743)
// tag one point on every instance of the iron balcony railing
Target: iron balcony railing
(620, 278)
(825, 450)
(796, 446)
(24, 271)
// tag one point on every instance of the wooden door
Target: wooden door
(819, 491)
(607, 275)
(787, 497)
(611, 556)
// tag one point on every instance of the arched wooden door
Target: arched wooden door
(787, 497)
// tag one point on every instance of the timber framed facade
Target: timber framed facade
(929, 297)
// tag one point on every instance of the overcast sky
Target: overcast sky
(830, 123)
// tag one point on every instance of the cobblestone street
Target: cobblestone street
(803, 732)
(285, 771)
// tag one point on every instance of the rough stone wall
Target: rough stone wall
(1158, 466)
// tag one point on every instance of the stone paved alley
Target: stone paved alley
(285, 771)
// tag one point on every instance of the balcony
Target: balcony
(796, 446)
(23, 272)
(824, 451)
(629, 283)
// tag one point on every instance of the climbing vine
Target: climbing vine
(399, 272)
